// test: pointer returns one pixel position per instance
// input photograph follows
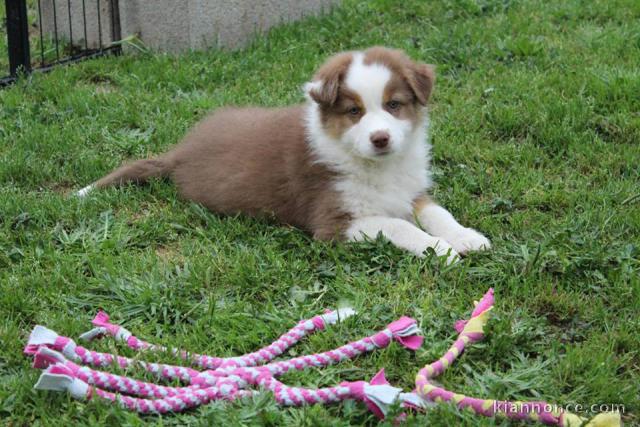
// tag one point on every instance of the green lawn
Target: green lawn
(535, 126)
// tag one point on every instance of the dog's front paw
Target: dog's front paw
(469, 240)
(444, 249)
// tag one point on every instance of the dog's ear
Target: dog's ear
(322, 92)
(421, 78)
(326, 83)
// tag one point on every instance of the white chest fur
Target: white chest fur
(388, 188)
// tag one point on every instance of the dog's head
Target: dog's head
(371, 102)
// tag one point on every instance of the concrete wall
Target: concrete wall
(76, 32)
(179, 25)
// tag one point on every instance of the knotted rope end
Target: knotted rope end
(379, 378)
(97, 332)
(101, 319)
(485, 303)
(39, 336)
(46, 357)
(414, 401)
(333, 317)
(379, 398)
(61, 378)
(405, 330)
(474, 327)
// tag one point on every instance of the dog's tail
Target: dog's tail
(138, 172)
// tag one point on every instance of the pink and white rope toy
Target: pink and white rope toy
(69, 366)
(73, 368)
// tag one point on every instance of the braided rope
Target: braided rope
(46, 357)
(42, 336)
(59, 376)
(404, 330)
(259, 357)
(470, 332)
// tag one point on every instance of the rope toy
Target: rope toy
(223, 378)
(472, 331)
(73, 368)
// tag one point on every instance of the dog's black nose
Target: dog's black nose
(380, 139)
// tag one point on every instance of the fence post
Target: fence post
(115, 21)
(18, 36)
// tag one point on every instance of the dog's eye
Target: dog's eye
(354, 111)
(393, 105)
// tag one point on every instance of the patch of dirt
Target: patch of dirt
(63, 187)
(169, 254)
(103, 88)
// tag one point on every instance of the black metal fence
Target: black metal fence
(57, 32)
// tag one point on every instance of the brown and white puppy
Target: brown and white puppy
(353, 161)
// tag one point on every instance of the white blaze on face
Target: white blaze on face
(369, 82)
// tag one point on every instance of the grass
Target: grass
(535, 129)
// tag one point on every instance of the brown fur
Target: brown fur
(419, 77)
(398, 90)
(139, 172)
(253, 161)
(337, 117)
(331, 73)
(421, 202)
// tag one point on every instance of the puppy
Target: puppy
(351, 162)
